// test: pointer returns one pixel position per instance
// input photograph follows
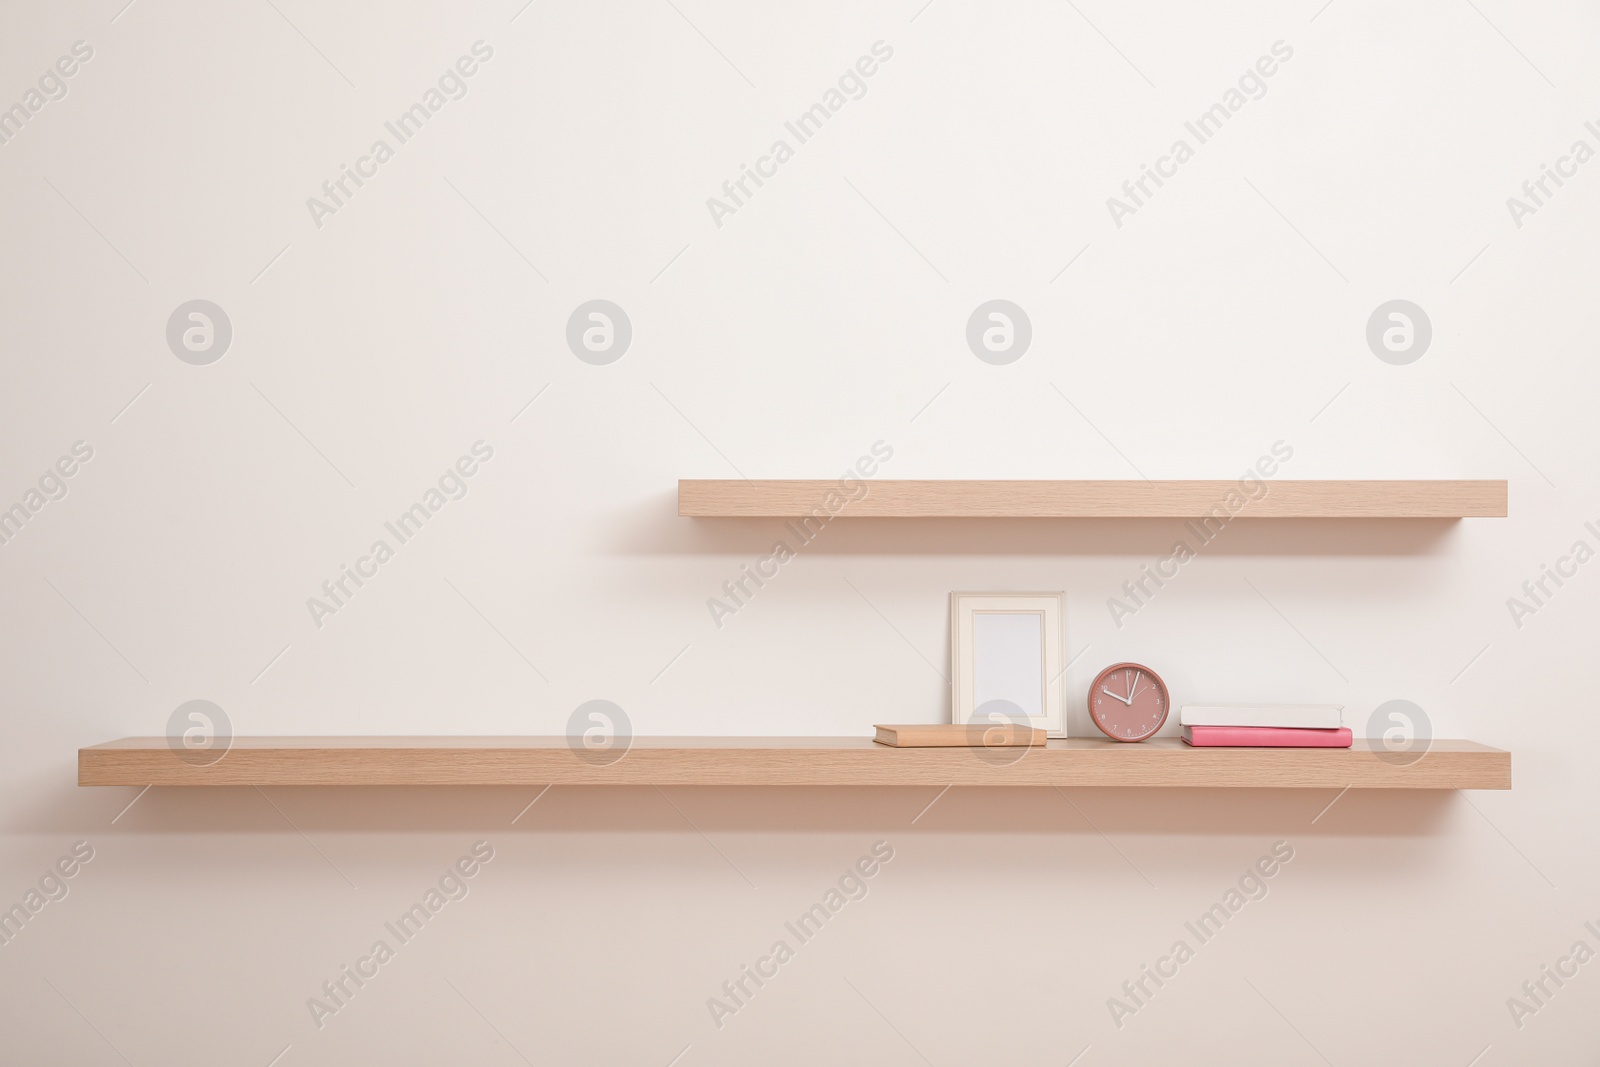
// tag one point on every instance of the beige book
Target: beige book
(960, 735)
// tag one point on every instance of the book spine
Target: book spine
(1266, 737)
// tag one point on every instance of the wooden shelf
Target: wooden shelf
(1094, 499)
(785, 761)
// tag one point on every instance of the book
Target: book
(960, 735)
(1294, 716)
(1265, 737)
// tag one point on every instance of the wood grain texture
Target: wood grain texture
(1094, 499)
(842, 761)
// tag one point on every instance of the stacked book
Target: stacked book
(1264, 726)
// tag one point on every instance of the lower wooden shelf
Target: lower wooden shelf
(784, 761)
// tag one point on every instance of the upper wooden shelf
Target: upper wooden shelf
(786, 761)
(1094, 499)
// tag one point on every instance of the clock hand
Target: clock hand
(1109, 693)
(1135, 687)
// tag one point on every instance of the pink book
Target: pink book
(1265, 737)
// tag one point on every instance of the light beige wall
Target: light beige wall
(373, 346)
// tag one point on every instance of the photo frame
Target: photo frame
(1007, 657)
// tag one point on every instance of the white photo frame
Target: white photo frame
(1007, 656)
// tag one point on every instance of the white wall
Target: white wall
(1227, 314)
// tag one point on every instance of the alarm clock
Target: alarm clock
(1129, 702)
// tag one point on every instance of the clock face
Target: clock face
(1128, 702)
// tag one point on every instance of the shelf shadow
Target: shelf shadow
(653, 527)
(764, 810)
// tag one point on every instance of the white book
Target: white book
(1293, 716)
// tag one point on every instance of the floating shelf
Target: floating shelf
(1094, 499)
(785, 761)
